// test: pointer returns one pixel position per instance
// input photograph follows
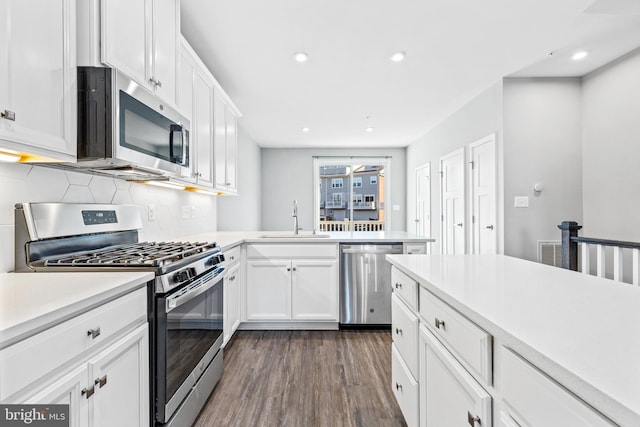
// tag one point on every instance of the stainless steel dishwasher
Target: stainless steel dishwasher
(365, 283)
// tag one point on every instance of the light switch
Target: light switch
(521, 201)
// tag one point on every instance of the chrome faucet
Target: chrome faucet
(295, 217)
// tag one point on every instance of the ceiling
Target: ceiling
(454, 49)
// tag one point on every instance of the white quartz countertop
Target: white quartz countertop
(581, 330)
(228, 239)
(32, 302)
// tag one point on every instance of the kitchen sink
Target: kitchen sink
(293, 236)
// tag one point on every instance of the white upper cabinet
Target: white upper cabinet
(225, 145)
(38, 84)
(140, 38)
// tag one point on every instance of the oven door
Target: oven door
(189, 335)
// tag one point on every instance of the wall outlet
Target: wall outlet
(186, 212)
(521, 202)
(151, 212)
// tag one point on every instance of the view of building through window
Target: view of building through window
(351, 197)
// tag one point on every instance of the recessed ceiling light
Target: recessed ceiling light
(580, 55)
(398, 56)
(369, 129)
(300, 56)
(305, 129)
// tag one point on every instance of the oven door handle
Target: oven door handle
(175, 302)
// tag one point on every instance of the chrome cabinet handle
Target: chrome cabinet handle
(398, 285)
(101, 381)
(398, 331)
(94, 333)
(158, 83)
(9, 115)
(439, 323)
(88, 392)
(459, 224)
(472, 420)
(489, 227)
(398, 387)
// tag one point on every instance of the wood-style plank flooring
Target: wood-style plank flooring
(305, 379)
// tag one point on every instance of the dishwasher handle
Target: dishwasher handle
(377, 249)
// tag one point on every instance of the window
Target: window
(351, 209)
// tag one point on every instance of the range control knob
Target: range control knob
(181, 276)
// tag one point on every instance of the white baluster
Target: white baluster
(585, 258)
(600, 261)
(617, 263)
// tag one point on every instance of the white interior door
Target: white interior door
(452, 206)
(483, 195)
(423, 200)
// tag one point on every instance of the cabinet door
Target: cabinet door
(314, 290)
(231, 150)
(187, 67)
(38, 84)
(231, 302)
(220, 143)
(66, 391)
(166, 24)
(269, 290)
(451, 396)
(120, 376)
(204, 128)
(126, 37)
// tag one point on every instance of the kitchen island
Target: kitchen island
(545, 334)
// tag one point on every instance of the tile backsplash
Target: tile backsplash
(26, 183)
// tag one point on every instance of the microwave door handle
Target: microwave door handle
(172, 130)
(185, 146)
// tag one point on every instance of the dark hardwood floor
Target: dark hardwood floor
(305, 379)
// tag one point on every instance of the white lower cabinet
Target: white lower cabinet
(231, 301)
(449, 395)
(104, 378)
(535, 400)
(405, 388)
(289, 282)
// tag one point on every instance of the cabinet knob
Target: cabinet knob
(288, 268)
(294, 269)
(439, 323)
(88, 392)
(158, 83)
(473, 420)
(101, 381)
(8, 115)
(94, 333)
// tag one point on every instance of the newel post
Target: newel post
(569, 247)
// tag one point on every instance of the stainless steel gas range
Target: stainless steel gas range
(185, 298)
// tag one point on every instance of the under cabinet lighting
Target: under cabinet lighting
(305, 129)
(7, 156)
(369, 129)
(166, 184)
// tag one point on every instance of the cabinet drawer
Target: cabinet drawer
(405, 388)
(405, 287)
(23, 363)
(470, 343)
(404, 330)
(232, 256)
(300, 250)
(537, 400)
(415, 248)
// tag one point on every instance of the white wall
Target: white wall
(25, 183)
(611, 150)
(542, 144)
(287, 174)
(243, 212)
(482, 116)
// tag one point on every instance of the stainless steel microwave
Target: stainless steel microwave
(124, 130)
